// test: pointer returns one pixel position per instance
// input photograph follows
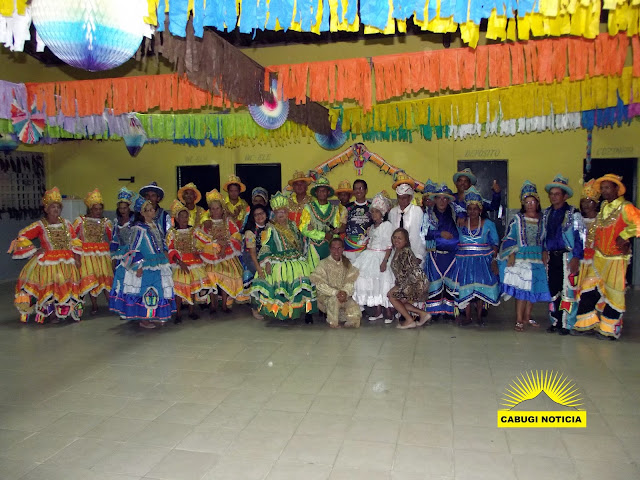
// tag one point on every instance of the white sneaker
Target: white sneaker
(373, 319)
(388, 320)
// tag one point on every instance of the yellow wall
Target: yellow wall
(79, 166)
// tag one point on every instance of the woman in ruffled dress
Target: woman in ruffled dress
(145, 293)
(95, 232)
(411, 286)
(281, 288)
(185, 242)
(522, 272)
(253, 243)
(376, 278)
(475, 275)
(50, 281)
(221, 252)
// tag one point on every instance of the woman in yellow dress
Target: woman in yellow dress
(50, 281)
(185, 242)
(222, 251)
(95, 232)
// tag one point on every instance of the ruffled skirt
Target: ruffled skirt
(96, 270)
(287, 293)
(372, 286)
(227, 275)
(524, 281)
(49, 287)
(149, 297)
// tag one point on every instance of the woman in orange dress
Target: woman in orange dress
(222, 251)
(185, 242)
(95, 232)
(50, 281)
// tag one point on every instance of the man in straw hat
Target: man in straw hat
(189, 195)
(320, 222)
(465, 179)
(357, 222)
(407, 215)
(562, 229)
(299, 198)
(617, 222)
(233, 204)
(154, 194)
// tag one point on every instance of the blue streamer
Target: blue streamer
(352, 10)
(178, 16)
(281, 10)
(460, 14)
(212, 16)
(326, 10)
(229, 14)
(374, 13)
(160, 13)
(198, 18)
(446, 8)
(248, 17)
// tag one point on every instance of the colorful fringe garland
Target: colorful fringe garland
(122, 95)
(514, 20)
(454, 70)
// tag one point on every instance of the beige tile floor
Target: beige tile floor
(228, 398)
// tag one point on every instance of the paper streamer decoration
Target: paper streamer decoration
(91, 34)
(272, 113)
(28, 124)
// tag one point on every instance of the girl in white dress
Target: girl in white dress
(376, 278)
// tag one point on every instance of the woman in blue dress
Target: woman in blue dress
(475, 276)
(145, 292)
(441, 234)
(522, 272)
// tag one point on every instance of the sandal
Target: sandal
(519, 327)
(533, 323)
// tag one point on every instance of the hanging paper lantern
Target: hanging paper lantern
(8, 142)
(91, 34)
(272, 113)
(333, 140)
(28, 124)
(136, 137)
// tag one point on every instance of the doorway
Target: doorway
(486, 171)
(206, 178)
(265, 175)
(628, 169)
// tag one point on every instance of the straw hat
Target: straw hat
(401, 178)
(465, 173)
(234, 179)
(298, 176)
(322, 182)
(344, 186)
(189, 186)
(152, 187)
(610, 177)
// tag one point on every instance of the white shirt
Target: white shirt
(412, 222)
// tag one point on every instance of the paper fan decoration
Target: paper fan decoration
(28, 124)
(136, 137)
(272, 113)
(334, 140)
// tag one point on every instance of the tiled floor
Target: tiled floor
(229, 398)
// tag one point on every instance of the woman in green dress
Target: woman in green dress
(281, 288)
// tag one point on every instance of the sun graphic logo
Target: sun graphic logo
(542, 399)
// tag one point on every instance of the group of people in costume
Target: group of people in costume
(294, 254)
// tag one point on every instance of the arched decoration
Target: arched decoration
(360, 155)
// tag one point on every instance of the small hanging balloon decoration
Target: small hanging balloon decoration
(333, 140)
(136, 137)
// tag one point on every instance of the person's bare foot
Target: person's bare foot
(406, 325)
(334, 325)
(424, 319)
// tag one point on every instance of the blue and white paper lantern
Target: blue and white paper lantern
(91, 34)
